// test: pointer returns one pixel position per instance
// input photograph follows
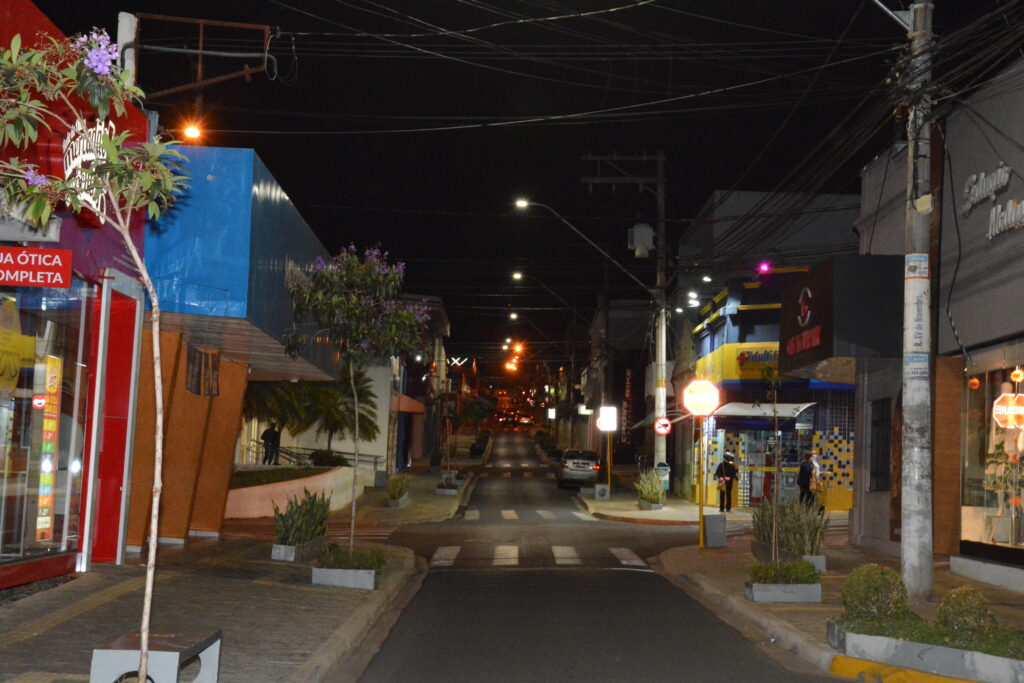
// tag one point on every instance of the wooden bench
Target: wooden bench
(168, 653)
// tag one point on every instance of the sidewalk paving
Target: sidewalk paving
(623, 507)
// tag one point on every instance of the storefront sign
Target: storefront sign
(48, 450)
(808, 337)
(738, 361)
(1008, 411)
(627, 405)
(27, 267)
(980, 187)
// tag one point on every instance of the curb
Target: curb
(340, 645)
(794, 640)
(641, 520)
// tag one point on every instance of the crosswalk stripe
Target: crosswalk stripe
(524, 464)
(627, 557)
(509, 514)
(565, 554)
(506, 555)
(445, 556)
(546, 514)
(584, 516)
(472, 515)
(506, 464)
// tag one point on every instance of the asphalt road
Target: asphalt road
(523, 586)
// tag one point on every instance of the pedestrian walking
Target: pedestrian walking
(271, 445)
(725, 475)
(808, 478)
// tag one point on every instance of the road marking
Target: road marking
(445, 556)
(627, 557)
(509, 514)
(472, 515)
(506, 555)
(506, 464)
(549, 475)
(584, 516)
(524, 464)
(506, 475)
(546, 514)
(565, 554)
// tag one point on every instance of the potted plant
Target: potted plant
(398, 490)
(355, 568)
(796, 581)
(650, 489)
(302, 527)
(966, 641)
(800, 531)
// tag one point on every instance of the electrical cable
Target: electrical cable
(959, 253)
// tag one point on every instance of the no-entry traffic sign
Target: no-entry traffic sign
(662, 426)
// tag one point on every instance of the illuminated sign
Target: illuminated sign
(700, 397)
(39, 401)
(27, 267)
(607, 419)
(1008, 411)
(48, 451)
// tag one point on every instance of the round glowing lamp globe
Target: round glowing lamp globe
(700, 397)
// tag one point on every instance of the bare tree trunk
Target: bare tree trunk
(778, 475)
(158, 459)
(355, 464)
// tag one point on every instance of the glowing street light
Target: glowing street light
(517, 275)
(522, 202)
(513, 316)
(518, 348)
(192, 131)
(504, 347)
(508, 340)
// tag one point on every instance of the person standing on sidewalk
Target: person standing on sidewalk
(807, 478)
(725, 475)
(271, 445)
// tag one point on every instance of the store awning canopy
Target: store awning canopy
(765, 410)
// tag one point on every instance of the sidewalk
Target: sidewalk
(277, 626)
(623, 507)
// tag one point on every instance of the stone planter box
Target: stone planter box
(763, 552)
(442, 491)
(602, 492)
(587, 491)
(364, 579)
(298, 553)
(648, 505)
(399, 502)
(944, 661)
(784, 592)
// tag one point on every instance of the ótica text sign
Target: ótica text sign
(28, 267)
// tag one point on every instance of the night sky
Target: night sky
(403, 122)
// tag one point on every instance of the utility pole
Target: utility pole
(645, 183)
(916, 485)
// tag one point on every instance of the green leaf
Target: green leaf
(15, 46)
(153, 210)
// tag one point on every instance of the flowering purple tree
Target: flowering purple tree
(61, 86)
(354, 302)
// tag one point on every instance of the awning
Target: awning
(407, 404)
(785, 411)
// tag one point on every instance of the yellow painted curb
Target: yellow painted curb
(875, 672)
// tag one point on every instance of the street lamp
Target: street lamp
(517, 275)
(513, 316)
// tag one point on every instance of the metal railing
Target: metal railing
(296, 456)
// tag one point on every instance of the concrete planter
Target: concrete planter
(587, 491)
(784, 592)
(763, 552)
(364, 579)
(399, 502)
(602, 492)
(945, 661)
(443, 491)
(298, 553)
(648, 505)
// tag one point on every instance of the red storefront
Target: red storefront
(70, 335)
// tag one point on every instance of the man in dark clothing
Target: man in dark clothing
(725, 475)
(271, 445)
(804, 477)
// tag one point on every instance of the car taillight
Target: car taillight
(597, 467)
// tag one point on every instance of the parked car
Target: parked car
(577, 467)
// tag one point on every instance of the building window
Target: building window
(202, 372)
(881, 453)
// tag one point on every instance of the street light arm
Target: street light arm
(589, 324)
(594, 245)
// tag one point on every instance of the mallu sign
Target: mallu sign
(28, 267)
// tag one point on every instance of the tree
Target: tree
(61, 85)
(477, 409)
(354, 302)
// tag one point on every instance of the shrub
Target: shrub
(398, 486)
(325, 458)
(801, 528)
(304, 520)
(874, 592)
(798, 571)
(964, 611)
(648, 485)
(333, 556)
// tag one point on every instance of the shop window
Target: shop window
(993, 477)
(202, 375)
(880, 453)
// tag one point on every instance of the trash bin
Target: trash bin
(714, 531)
